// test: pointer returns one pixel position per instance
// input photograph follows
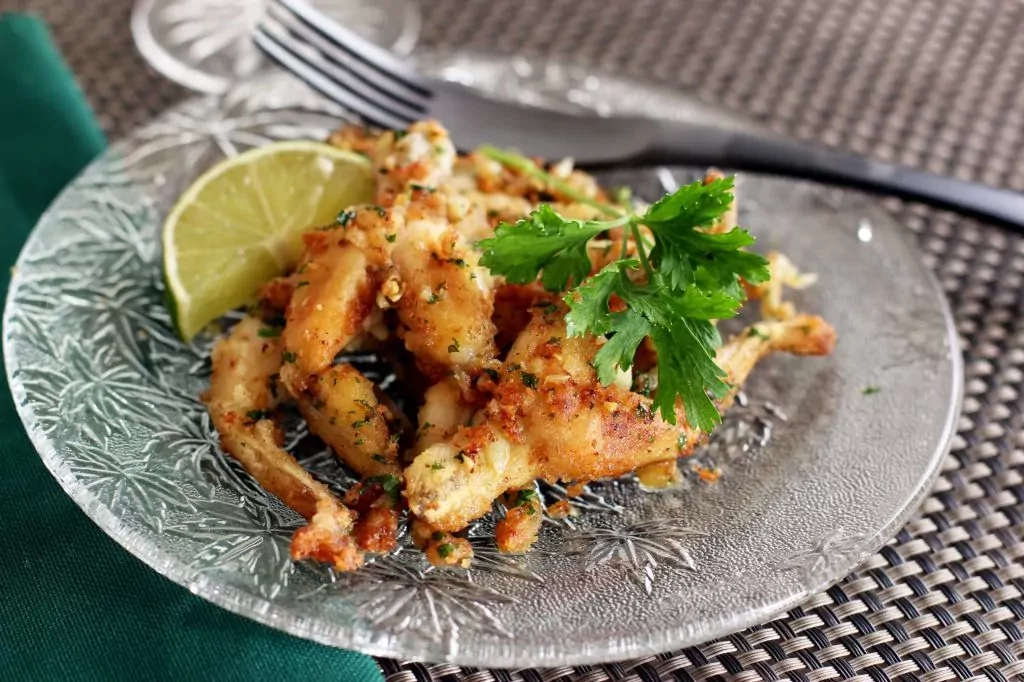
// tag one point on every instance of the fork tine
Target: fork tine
(369, 80)
(316, 75)
(306, 43)
(377, 58)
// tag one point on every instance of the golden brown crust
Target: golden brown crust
(377, 530)
(275, 295)
(354, 138)
(550, 419)
(445, 408)
(449, 550)
(447, 296)
(513, 309)
(488, 428)
(784, 274)
(327, 540)
(441, 548)
(340, 405)
(335, 290)
(240, 400)
(423, 155)
(560, 509)
(326, 312)
(517, 532)
(659, 474)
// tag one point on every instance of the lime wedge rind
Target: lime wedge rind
(257, 203)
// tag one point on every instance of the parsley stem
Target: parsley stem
(524, 165)
(641, 251)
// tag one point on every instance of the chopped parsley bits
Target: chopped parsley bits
(453, 347)
(256, 415)
(437, 535)
(548, 308)
(444, 551)
(529, 380)
(268, 332)
(437, 466)
(288, 356)
(391, 238)
(871, 390)
(388, 482)
(643, 386)
(525, 497)
(345, 217)
(377, 457)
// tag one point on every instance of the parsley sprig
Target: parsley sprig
(671, 291)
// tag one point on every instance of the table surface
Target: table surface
(929, 83)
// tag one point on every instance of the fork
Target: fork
(385, 92)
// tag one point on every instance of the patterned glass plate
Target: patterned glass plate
(822, 462)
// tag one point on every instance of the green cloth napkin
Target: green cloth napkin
(74, 604)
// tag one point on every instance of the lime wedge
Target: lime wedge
(240, 224)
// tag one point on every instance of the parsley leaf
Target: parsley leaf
(630, 328)
(542, 242)
(685, 255)
(588, 303)
(390, 483)
(670, 292)
(686, 368)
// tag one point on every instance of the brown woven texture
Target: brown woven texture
(931, 83)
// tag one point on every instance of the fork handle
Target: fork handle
(682, 143)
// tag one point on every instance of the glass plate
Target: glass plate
(818, 471)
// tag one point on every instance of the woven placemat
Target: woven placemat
(931, 83)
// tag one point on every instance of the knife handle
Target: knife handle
(684, 143)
